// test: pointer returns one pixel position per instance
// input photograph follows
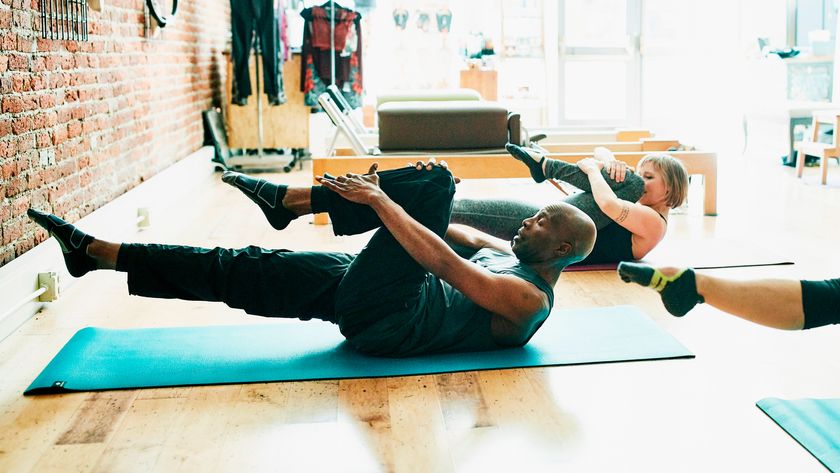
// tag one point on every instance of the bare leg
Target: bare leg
(104, 253)
(775, 303)
(771, 302)
(298, 200)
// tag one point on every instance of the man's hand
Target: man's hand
(361, 189)
(420, 165)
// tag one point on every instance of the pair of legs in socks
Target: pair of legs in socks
(779, 303)
(503, 217)
(365, 295)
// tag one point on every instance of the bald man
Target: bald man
(406, 293)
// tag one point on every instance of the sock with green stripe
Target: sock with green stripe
(531, 158)
(678, 292)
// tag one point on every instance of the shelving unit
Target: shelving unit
(522, 60)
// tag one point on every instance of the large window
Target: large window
(598, 61)
(655, 63)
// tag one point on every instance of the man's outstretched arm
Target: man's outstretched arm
(464, 235)
(508, 296)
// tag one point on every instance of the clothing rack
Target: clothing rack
(332, 48)
(332, 42)
(248, 132)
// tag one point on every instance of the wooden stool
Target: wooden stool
(815, 148)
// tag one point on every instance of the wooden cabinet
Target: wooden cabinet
(284, 126)
(485, 82)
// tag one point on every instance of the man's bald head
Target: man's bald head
(575, 227)
(558, 235)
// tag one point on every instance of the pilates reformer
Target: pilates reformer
(339, 113)
(490, 164)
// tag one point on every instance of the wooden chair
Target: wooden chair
(824, 151)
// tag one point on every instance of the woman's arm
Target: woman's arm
(646, 225)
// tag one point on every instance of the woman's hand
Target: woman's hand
(361, 189)
(590, 165)
(617, 170)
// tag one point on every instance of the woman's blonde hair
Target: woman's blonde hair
(673, 173)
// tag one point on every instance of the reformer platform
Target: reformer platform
(495, 163)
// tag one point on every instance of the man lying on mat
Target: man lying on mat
(405, 293)
(629, 209)
(779, 303)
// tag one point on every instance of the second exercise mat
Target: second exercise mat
(711, 253)
(99, 359)
(814, 423)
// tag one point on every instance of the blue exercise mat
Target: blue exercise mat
(97, 358)
(814, 423)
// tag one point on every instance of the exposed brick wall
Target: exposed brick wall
(83, 122)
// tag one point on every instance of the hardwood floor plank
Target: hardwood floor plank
(97, 417)
(139, 440)
(418, 425)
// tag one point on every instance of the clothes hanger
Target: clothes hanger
(326, 5)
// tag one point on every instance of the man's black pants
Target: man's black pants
(246, 17)
(355, 292)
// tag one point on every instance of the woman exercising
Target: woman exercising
(779, 303)
(629, 209)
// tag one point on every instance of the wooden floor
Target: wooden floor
(658, 416)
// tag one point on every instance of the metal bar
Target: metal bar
(68, 20)
(50, 3)
(74, 25)
(66, 17)
(85, 15)
(332, 41)
(258, 56)
(79, 20)
(41, 8)
(61, 19)
(24, 301)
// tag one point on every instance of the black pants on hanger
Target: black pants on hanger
(247, 16)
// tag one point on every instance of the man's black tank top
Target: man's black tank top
(442, 319)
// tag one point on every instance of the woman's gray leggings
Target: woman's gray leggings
(503, 217)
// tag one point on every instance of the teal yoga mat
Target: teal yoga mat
(97, 358)
(814, 423)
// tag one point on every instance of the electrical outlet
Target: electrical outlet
(144, 218)
(48, 281)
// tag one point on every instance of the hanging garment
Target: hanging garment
(247, 18)
(400, 18)
(444, 20)
(316, 66)
(283, 25)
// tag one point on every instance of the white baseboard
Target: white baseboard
(20, 277)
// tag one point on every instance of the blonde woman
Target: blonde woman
(630, 209)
